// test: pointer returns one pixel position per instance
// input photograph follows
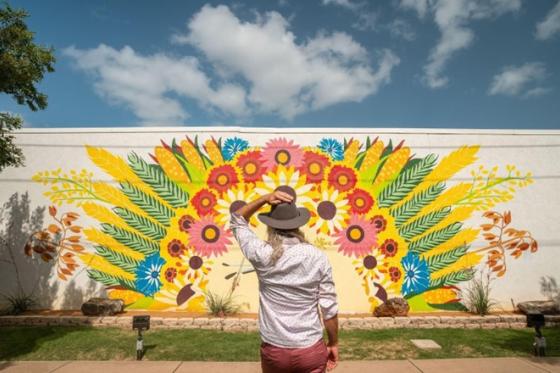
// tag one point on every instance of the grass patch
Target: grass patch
(82, 343)
(455, 343)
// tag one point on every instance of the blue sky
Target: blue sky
(312, 63)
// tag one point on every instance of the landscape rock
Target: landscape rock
(547, 307)
(392, 307)
(102, 307)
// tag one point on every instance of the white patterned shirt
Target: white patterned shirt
(290, 291)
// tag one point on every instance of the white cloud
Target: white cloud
(538, 91)
(285, 77)
(420, 6)
(144, 83)
(453, 18)
(343, 3)
(550, 25)
(367, 20)
(521, 80)
(401, 29)
(252, 67)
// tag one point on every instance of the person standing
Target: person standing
(296, 287)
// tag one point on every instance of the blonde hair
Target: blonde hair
(275, 238)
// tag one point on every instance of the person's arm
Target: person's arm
(331, 325)
(254, 248)
(329, 309)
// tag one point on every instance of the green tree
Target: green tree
(22, 65)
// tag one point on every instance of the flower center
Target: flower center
(355, 233)
(185, 223)
(195, 262)
(210, 234)
(205, 202)
(378, 223)
(326, 210)
(390, 249)
(282, 157)
(154, 274)
(222, 180)
(370, 262)
(360, 202)
(343, 179)
(395, 274)
(314, 168)
(175, 248)
(410, 273)
(170, 274)
(250, 168)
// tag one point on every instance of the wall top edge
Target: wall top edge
(290, 130)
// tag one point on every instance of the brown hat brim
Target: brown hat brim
(298, 221)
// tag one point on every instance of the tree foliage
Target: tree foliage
(10, 154)
(22, 65)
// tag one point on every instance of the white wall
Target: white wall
(534, 208)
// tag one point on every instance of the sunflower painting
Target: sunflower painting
(397, 220)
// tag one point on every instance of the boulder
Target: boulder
(547, 307)
(392, 307)
(102, 307)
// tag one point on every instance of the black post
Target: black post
(540, 342)
(139, 345)
(537, 321)
(140, 323)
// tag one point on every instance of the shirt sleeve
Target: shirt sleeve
(256, 250)
(327, 293)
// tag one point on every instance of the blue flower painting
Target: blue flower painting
(416, 274)
(333, 148)
(147, 275)
(232, 146)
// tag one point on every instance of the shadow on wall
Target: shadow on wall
(550, 289)
(75, 296)
(22, 274)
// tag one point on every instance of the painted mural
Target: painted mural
(163, 218)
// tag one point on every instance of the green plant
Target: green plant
(23, 63)
(221, 305)
(476, 296)
(18, 303)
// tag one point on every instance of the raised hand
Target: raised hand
(277, 197)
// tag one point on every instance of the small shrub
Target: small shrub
(221, 305)
(18, 303)
(476, 296)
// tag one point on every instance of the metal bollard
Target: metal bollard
(140, 323)
(536, 320)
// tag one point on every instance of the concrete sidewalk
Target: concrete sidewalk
(482, 365)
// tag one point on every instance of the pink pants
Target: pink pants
(311, 359)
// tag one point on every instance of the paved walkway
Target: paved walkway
(491, 365)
